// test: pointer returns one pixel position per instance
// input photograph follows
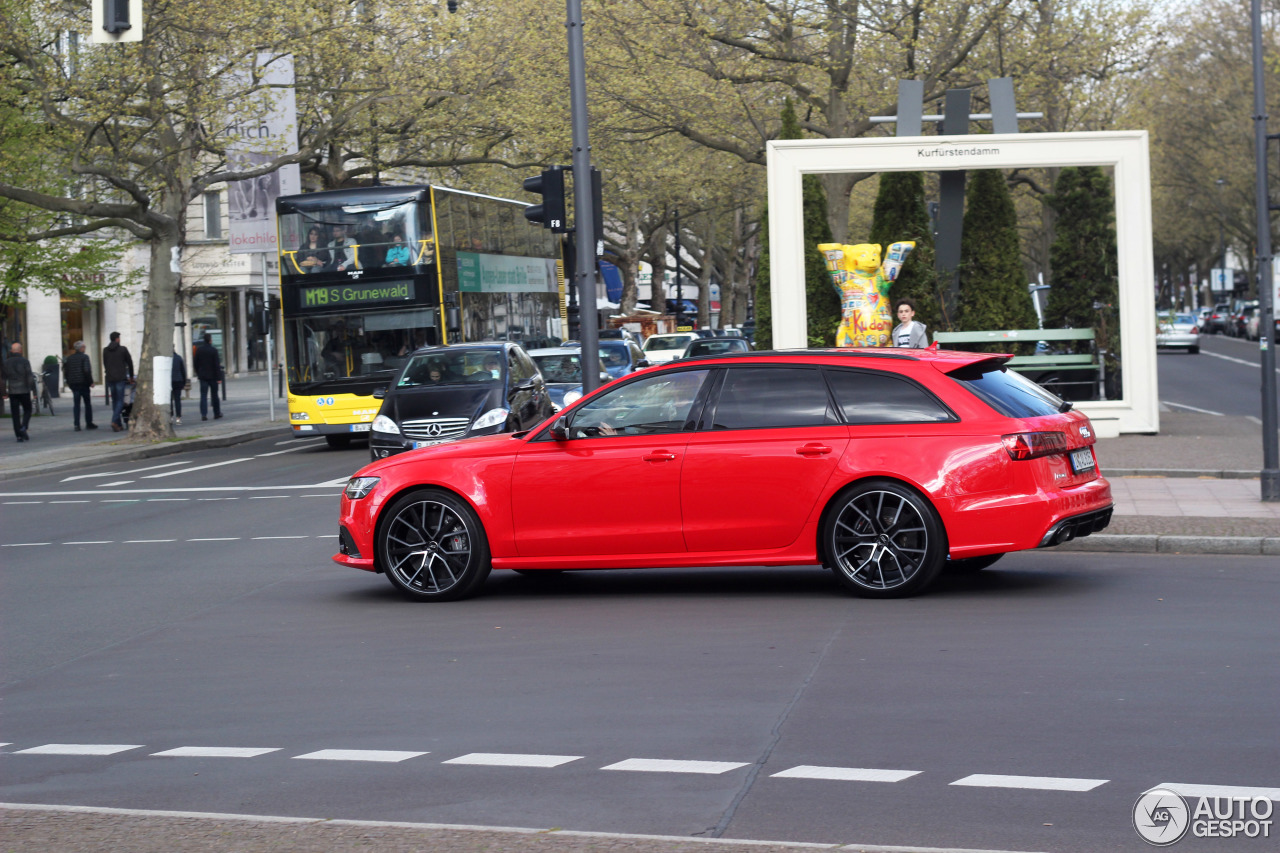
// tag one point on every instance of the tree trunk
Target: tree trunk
(150, 422)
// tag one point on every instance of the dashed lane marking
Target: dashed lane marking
(280, 537)
(146, 541)
(164, 541)
(512, 759)
(383, 755)
(116, 483)
(217, 539)
(1190, 790)
(845, 774)
(74, 502)
(26, 503)
(214, 752)
(79, 749)
(24, 544)
(1037, 783)
(268, 497)
(92, 542)
(666, 765)
(152, 500)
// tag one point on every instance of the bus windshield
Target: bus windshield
(341, 239)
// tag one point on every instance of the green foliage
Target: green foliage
(993, 284)
(901, 214)
(821, 302)
(1083, 258)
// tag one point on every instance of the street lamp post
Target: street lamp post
(1222, 234)
(1266, 285)
(583, 203)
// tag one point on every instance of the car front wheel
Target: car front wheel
(883, 540)
(432, 547)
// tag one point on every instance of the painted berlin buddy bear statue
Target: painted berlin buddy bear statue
(863, 284)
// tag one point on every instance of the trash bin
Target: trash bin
(51, 371)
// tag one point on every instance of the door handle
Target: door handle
(813, 450)
(659, 456)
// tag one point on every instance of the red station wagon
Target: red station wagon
(882, 464)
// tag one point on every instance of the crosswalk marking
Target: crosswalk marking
(79, 749)
(214, 752)
(1190, 790)
(387, 755)
(512, 759)
(1038, 783)
(666, 765)
(845, 774)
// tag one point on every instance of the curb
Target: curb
(1194, 473)
(167, 448)
(1165, 544)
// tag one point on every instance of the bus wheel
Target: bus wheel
(432, 547)
(338, 441)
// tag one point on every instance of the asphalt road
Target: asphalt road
(1022, 708)
(1224, 378)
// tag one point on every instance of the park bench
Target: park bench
(1059, 372)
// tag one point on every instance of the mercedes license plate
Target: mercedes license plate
(1082, 460)
(360, 427)
(418, 444)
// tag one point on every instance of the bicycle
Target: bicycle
(46, 399)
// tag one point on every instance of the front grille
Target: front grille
(432, 429)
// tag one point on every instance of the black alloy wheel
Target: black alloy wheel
(883, 540)
(432, 547)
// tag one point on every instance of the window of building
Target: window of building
(213, 216)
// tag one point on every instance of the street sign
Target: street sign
(1222, 280)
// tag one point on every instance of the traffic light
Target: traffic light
(549, 185)
(115, 18)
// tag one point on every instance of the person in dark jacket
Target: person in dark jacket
(117, 366)
(21, 383)
(208, 371)
(79, 374)
(178, 383)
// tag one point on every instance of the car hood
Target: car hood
(445, 401)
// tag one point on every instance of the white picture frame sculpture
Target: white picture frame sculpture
(1138, 409)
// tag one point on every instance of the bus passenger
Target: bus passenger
(312, 255)
(343, 255)
(398, 254)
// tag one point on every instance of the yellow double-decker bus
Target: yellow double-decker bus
(369, 275)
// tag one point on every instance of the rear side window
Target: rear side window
(1007, 391)
(764, 397)
(879, 398)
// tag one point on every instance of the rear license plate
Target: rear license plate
(1082, 460)
(360, 427)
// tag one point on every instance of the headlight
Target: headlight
(299, 416)
(358, 487)
(382, 423)
(491, 418)
(572, 397)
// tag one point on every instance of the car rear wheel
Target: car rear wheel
(883, 540)
(972, 564)
(432, 547)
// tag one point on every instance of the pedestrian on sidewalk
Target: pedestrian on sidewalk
(208, 371)
(178, 383)
(79, 374)
(20, 383)
(118, 367)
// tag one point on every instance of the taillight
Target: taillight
(1195, 330)
(1029, 445)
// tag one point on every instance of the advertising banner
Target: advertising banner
(263, 128)
(479, 273)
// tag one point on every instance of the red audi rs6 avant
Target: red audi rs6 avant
(884, 465)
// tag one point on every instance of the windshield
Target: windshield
(354, 237)
(452, 367)
(564, 367)
(614, 353)
(667, 342)
(353, 348)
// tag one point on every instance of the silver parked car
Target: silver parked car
(1179, 330)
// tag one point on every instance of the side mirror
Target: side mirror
(644, 362)
(560, 429)
(380, 393)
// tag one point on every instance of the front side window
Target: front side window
(650, 406)
(765, 397)
(878, 398)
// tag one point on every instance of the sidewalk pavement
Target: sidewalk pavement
(1193, 488)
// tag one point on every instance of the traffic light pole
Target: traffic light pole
(1266, 284)
(583, 210)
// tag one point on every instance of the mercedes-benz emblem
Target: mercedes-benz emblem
(434, 429)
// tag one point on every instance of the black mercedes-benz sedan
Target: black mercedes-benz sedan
(451, 392)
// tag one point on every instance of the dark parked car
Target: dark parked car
(715, 346)
(447, 393)
(1218, 319)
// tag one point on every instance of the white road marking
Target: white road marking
(1236, 360)
(341, 481)
(1038, 783)
(845, 774)
(664, 765)
(93, 542)
(199, 468)
(121, 501)
(217, 539)
(512, 759)
(1192, 408)
(1189, 790)
(21, 503)
(69, 502)
(217, 499)
(301, 496)
(214, 752)
(79, 749)
(288, 450)
(312, 440)
(117, 483)
(146, 541)
(280, 537)
(24, 544)
(118, 473)
(266, 497)
(178, 490)
(161, 500)
(389, 755)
